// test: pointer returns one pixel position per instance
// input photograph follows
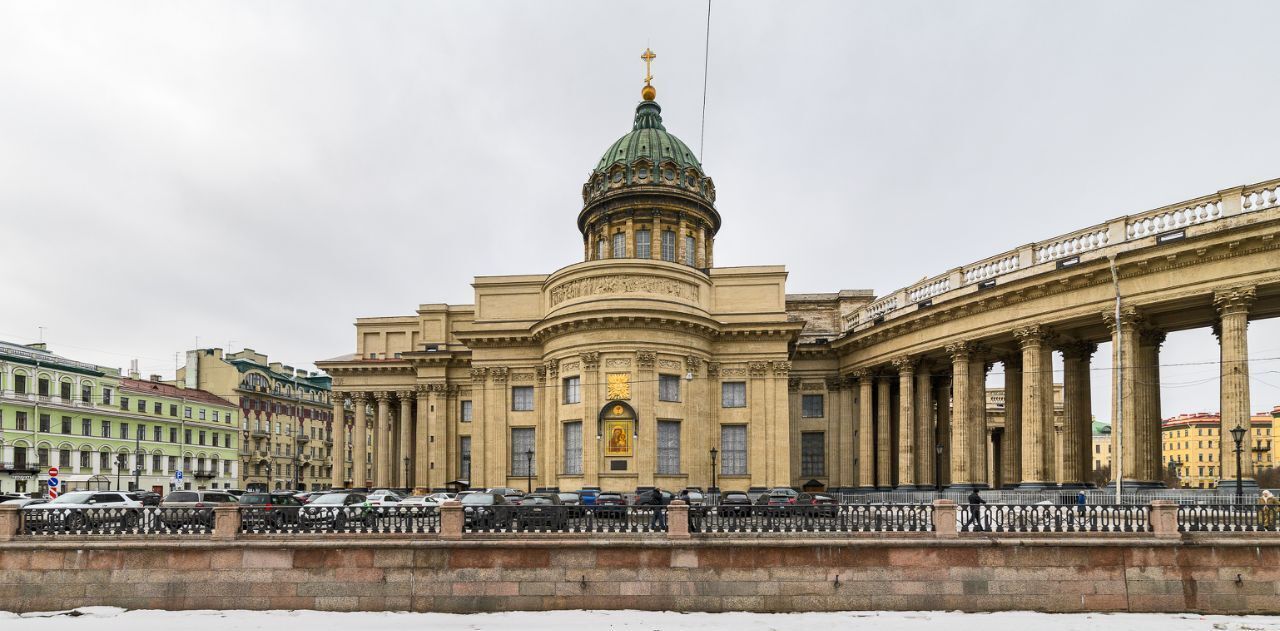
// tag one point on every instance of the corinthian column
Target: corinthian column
(1233, 337)
(422, 433)
(338, 455)
(360, 438)
(1011, 445)
(866, 433)
(942, 467)
(380, 446)
(1077, 421)
(1124, 388)
(978, 441)
(924, 432)
(906, 423)
(1037, 407)
(406, 438)
(884, 416)
(962, 476)
(1147, 447)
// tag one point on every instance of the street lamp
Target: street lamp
(120, 458)
(713, 470)
(1173, 471)
(1237, 434)
(406, 472)
(528, 469)
(937, 466)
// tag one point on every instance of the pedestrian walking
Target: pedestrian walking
(1268, 513)
(659, 519)
(975, 513)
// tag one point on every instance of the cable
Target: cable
(706, 56)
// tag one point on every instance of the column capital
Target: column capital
(404, 395)
(553, 368)
(590, 360)
(713, 369)
(1148, 337)
(905, 364)
(693, 363)
(1032, 335)
(646, 359)
(540, 374)
(359, 398)
(1233, 300)
(382, 396)
(498, 374)
(793, 384)
(780, 369)
(336, 397)
(757, 369)
(479, 374)
(859, 374)
(835, 383)
(422, 389)
(1078, 349)
(1129, 317)
(961, 350)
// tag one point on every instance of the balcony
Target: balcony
(206, 473)
(259, 433)
(19, 467)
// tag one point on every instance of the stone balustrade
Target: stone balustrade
(1260, 197)
(1166, 220)
(991, 268)
(1071, 245)
(929, 289)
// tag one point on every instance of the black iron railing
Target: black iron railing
(821, 518)
(341, 519)
(116, 521)
(1053, 518)
(566, 519)
(1228, 518)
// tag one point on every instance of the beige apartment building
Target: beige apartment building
(285, 416)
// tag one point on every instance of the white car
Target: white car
(24, 501)
(384, 498)
(435, 499)
(69, 512)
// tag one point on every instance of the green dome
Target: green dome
(649, 140)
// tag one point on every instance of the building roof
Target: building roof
(159, 389)
(1209, 419)
(1101, 428)
(648, 139)
(37, 353)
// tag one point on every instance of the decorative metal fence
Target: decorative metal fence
(1052, 518)
(822, 518)
(340, 519)
(116, 521)
(1233, 518)
(564, 519)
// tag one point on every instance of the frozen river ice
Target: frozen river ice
(112, 619)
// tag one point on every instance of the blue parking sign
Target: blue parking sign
(177, 475)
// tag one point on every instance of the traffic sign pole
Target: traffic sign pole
(53, 483)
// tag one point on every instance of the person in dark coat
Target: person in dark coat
(659, 519)
(975, 513)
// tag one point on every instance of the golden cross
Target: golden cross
(648, 58)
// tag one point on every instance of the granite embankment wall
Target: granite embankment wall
(1061, 573)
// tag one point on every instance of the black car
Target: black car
(486, 511)
(735, 504)
(147, 498)
(610, 506)
(269, 510)
(542, 511)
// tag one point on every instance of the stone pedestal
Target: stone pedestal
(944, 519)
(451, 520)
(226, 523)
(677, 520)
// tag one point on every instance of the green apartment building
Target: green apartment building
(104, 430)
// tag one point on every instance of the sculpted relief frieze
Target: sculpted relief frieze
(623, 284)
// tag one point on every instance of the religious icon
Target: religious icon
(617, 438)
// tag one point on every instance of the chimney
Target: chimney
(133, 369)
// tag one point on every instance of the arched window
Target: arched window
(619, 245)
(669, 245)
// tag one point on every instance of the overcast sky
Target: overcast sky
(260, 174)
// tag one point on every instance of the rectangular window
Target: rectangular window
(157, 408)
(86, 393)
(64, 458)
(20, 384)
(64, 390)
(86, 427)
(42, 457)
(642, 244)
(572, 389)
(142, 405)
(464, 459)
(44, 423)
(85, 460)
(811, 406)
(186, 412)
(620, 245)
(106, 429)
(66, 425)
(20, 421)
(733, 450)
(202, 437)
(173, 434)
(521, 398)
(669, 447)
(215, 416)
(156, 465)
(668, 245)
(668, 388)
(812, 453)
(600, 248)
(124, 431)
(124, 403)
(106, 396)
(573, 448)
(186, 437)
(157, 434)
(524, 455)
(173, 410)
(42, 387)
(104, 461)
(466, 411)
(202, 417)
(733, 394)
(690, 251)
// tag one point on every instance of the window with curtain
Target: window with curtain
(733, 450)
(521, 444)
(812, 453)
(668, 388)
(668, 245)
(464, 451)
(466, 411)
(690, 257)
(522, 398)
(573, 448)
(669, 447)
(642, 244)
(811, 406)
(86, 460)
(572, 389)
(619, 245)
(733, 394)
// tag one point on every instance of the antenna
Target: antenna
(41, 333)
(706, 55)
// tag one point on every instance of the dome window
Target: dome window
(644, 172)
(669, 174)
(617, 177)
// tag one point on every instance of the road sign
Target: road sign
(53, 483)
(53, 492)
(53, 472)
(177, 475)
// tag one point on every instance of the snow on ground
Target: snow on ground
(113, 619)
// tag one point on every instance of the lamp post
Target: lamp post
(1173, 471)
(406, 472)
(528, 469)
(937, 466)
(1237, 434)
(713, 470)
(120, 465)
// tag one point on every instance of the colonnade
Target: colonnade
(397, 438)
(922, 418)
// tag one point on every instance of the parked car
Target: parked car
(513, 495)
(486, 511)
(541, 511)
(694, 496)
(588, 494)
(817, 504)
(337, 511)
(63, 512)
(610, 506)
(199, 503)
(24, 501)
(271, 510)
(574, 502)
(147, 498)
(735, 504)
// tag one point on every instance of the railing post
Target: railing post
(677, 520)
(944, 519)
(451, 520)
(1231, 202)
(10, 521)
(226, 523)
(1164, 519)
